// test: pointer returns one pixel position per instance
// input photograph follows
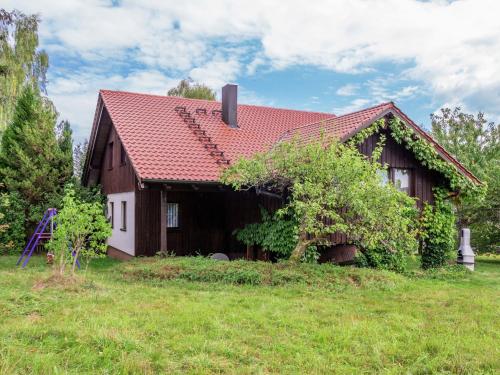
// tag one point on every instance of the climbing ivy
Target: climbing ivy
(437, 231)
(429, 157)
(438, 221)
(366, 132)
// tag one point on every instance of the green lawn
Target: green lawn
(192, 316)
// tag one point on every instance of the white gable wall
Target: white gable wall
(123, 240)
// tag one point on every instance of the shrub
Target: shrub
(275, 233)
(12, 220)
(81, 230)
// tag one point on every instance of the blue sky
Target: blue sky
(325, 55)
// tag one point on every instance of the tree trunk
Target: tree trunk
(301, 247)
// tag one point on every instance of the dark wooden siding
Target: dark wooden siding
(121, 178)
(207, 220)
(147, 222)
(397, 156)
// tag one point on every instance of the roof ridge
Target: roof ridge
(333, 118)
(366, 109)
(215, 101)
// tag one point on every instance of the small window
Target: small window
(110, 155)
(402, 179)
(384, 176)
(123, 157)
(124, 216)
(111, 213)
(172, 215)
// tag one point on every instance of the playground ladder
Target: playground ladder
(39, 234)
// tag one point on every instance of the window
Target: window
(110, 155)
(402, 179)
(384, 176)
(123, 156)
(111, 213)
(123, 226)
(172, 215)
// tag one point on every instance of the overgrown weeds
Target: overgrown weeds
(243, 272)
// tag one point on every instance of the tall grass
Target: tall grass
(185, 315)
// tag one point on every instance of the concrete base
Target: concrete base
(117, 254)
(340, 254)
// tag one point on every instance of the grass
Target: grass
(191, 315)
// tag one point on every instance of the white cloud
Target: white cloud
(450, 48)
(353, 106)
(348, 90)
(382, 90)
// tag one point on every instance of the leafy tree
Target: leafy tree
(79, 155)
(187, 89)
(331, 187)
(476, 143)
(33, 161)
(81, 232)
(21, 62)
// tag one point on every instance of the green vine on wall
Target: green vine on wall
(426, 154)
(429, 157)
(438, 231)
(438, 221)
(360, 136)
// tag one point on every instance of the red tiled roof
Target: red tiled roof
(340, 127)
(161, 146)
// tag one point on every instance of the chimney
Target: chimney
(230, 105)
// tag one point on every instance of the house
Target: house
(158, 160)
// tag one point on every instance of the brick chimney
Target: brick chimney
(230, 105)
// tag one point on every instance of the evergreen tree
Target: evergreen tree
(33, 161)
(187, 89)
(20, 60)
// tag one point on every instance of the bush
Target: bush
(381, 259)
(81, 230)
(12, 220)
(275, 233)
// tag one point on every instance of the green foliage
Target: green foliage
(438, 231)
(81, 228)
(21, 62)
(34, 161)
(12, 235)
(274, 233)
(331, 188)
(187, 89)
(65, 159)
(475, 142)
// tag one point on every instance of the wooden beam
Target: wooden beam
(163, 221)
